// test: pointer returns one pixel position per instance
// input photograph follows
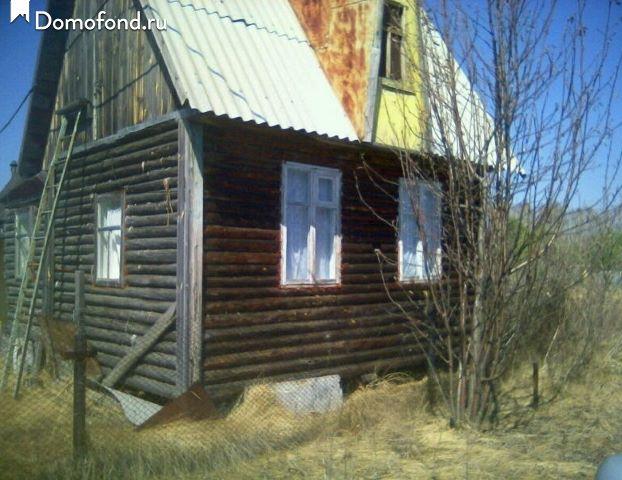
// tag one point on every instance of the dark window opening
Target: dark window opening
(392, 39)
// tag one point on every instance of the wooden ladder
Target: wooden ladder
(41, 232)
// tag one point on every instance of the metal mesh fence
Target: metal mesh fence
(253, 436)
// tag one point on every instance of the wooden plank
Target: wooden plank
(190, 255)
(143, 345)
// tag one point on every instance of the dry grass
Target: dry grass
(383, 431)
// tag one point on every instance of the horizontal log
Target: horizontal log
(220, 294)
(322, 349)
(161, 220)
(143, 316)
(384, 365)
(142, 140)
(268, 304)
(143, 384)
(248, 343)
(151, 256)
(285, 329)
(165, 375)
(103, 183)
(156, 269)
(161, 243)
(146, 293)
(248, 245)
(162, 157)
(211, 269)
(244, 258)
(250, 372)
(225, 320)
(166, 231)
(166, 207)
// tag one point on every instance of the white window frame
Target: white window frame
(120, 197)
(426, 275)
(20, 264)
(315, 173)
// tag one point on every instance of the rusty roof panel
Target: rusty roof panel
(249, 60)
(341, 33)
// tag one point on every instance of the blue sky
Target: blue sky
(18, 50)
(19, 43)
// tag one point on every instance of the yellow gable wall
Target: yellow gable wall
(401, 107)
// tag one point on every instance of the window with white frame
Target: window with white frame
(23, 228)
(420, 230)
(311, 224)
(109, 212)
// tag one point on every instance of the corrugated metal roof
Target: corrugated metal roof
(247, 59)
(449, 82)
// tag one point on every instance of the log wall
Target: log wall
(256, 329)
(143, 164)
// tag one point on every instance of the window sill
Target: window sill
(398, 86)
(418, 281)
(108, 283)
(303, 286)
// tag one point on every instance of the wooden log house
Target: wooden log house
(221, 169)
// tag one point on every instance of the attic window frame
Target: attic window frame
(389, 33)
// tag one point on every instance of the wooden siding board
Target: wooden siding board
(189, 255)
(117, 71)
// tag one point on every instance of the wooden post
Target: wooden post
(79, 372)
(189, 255)
(144, 344)
(536, 386)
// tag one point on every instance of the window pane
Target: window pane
(412, 248)
(110, 212)
(21, 246)
(393, 16)
(324, 244)
(383, 54)
(297, 255)
(103, 239)
(430, 201)
(21, 224)
(297, 186)
(396, 57)
(22, 241)
(325, 190)
(114, 255)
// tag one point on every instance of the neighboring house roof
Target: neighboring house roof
(21, 188)
(250, 60)
(475, 140)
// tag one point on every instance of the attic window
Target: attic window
(392, 39)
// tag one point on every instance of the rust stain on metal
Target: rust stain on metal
(341, 33)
